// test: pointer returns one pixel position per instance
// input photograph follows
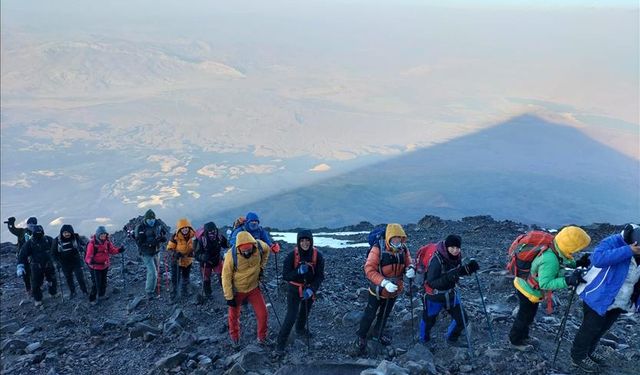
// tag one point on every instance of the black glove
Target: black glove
(575, 278)
(10, 220)
(584, 261)
(232, 303)
(471, 267)
(122, 249)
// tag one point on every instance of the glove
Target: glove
(584, 261)
(410, 273)
(10, 220)
(471, 267)
(308, 293)
(575, 278)
(303, 269)
(275, 247)
(20, 270)
(389, 286)
(232, 303)
(122, 249)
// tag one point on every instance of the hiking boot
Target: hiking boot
(456, 343)
(532, 341)
(383, 340)
(38, 303)
(599, 357)
(360, 346)
(304, 333)
(235, 344)
(587, 365)
(523, 347)
(265, 342)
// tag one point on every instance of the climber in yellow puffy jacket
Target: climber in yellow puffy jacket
(180, 247)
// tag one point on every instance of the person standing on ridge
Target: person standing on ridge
(67, 249)
(23, 235)
(149, 235)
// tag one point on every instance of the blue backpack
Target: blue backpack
(376, 237)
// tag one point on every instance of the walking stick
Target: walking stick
(385, 315)
(562, 325)
(273, 307)
(61, 291)
(484, 307)
(156, 263)
(277, 276)
(306, 315)
(464, 324)
(413, 327)
(124, 280)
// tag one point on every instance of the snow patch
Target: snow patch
(320, 241)
(320, 168)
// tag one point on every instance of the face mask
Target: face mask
(253, 225)
(397, 246)
(212, 235)
(150, 222)
(247, 254)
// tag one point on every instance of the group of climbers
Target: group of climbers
(607, 280)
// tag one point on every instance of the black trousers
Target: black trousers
(70, 267)
(382, 308)
(526, 313)
(99, 280)
(297, 312)
(38, 274)
(27, 277)
(184, 275)
(591, 331)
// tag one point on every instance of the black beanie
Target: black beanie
(210, 226)
(32, 220)
(453, 240)
(631, 233)
(305, 234)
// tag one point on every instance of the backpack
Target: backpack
(525, 248)
(234, 256)
(376, 237)
(240, 221)
(423, 257)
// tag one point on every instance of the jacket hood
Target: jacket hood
(149, 214)
(183, 223)
(210, 226)
(67, 228)
(101, 230)
(32, 220)
(252, 216)
(243, 238)
(394, 230)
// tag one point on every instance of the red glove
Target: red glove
(275, 247)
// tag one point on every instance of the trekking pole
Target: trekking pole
(413, 327)
(277, 277)
(124, 280)
(562, 325)
(61, 291)
(484, 307)
(464, 324)
(306, 314)
(273, 307)
(385, 315)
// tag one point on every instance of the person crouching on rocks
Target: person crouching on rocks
(303, 268)
(66, 249)
(97, 257)
(38, 249)
(384, 269)
(241, 273)
(180, 247)
(612, 288)
(443, 270)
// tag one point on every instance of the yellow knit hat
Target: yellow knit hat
(571, 240)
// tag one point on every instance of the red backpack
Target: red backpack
(525, 248)
(422, 259)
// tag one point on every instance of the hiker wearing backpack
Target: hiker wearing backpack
(388, 261)
(23, 235)
(611, 289)
(66, 249)
(538, 267)
(180, 247)
(303, 268)
(207, 247)
(442, 263)
(251, 224)
(241, 273)
(97, 257)
(149, 235)
(38, 248)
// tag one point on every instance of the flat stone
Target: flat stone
(352, 318)
(33, 347)
(9, 328)
(13, 345)
(25, 331)
(134, 303)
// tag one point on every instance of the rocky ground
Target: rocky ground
(128, 334)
